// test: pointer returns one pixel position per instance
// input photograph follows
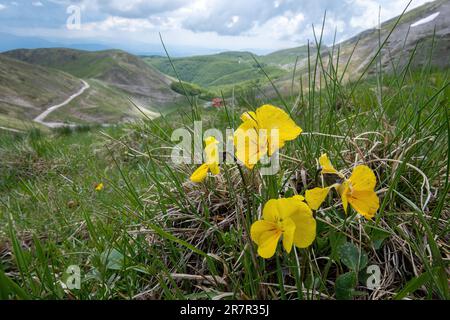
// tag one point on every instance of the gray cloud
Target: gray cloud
(237, 17)
(245, 23)
(244, 17)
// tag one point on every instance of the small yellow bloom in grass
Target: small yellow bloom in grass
(99, 186)
(263, 132)
(289, 219)
(212, 161)
(359, 191)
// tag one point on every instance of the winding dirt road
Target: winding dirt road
(40, 118)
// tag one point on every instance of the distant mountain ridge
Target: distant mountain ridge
(10, 42)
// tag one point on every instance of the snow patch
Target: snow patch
(425, 20)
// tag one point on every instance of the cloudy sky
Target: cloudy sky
(198, 26)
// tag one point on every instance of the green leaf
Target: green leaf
(337, 239)
(9, 289)
(413, 285)
(378, 236)
(345, 286)
(351, 257)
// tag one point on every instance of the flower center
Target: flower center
(280, 224)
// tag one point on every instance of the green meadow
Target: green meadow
(149, 232)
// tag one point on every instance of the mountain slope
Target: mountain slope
(210, 71)
(26, 90)
(422, 33)
(114, 76)
(414, 32)
(117, 68)
(286, 58)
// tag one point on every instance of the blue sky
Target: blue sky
(198, 26)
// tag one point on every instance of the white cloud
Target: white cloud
(2, 7)
(37, 4)
(233, 21)
(281, 27)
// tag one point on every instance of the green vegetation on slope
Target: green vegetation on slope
(287, 57)
(116, 77)
(214, 71)
(27, 89)
(98, 105)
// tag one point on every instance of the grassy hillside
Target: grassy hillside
(26, 90)
(116, 76)
(214, 71)
(98, 105)
(286, 58)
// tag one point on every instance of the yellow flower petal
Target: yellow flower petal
(287, 207)
(276, 210)
(315, 197)
(343, 190)
(250, 117)
(270, 117)
(212, 151)
(99, 187)
(305, 226)
(298, 197)
(261, 229)
(200, 174)
(363, 179)
(326, 165)
(288, 227)
(211, 140)
(246, 141)
(270, 211)
(214, 168)
(268, 244)
(365, 203)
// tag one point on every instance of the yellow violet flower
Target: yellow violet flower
(359, 191)
(263, 132)
(289, 219)
(212, 161)
(99, 186)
